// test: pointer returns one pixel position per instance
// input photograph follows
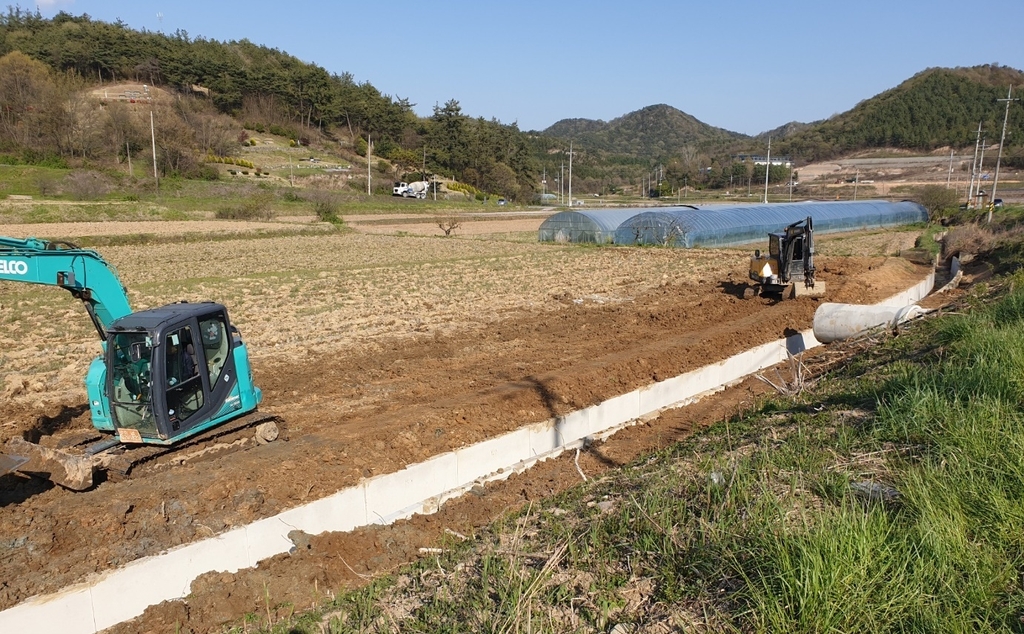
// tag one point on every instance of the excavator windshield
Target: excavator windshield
(132, 381)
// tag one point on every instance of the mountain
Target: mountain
(938, 107)
(654, 132)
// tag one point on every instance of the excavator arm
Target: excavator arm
(82, 272)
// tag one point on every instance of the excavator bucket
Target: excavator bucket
(799, 290)
(11, 463)
(68, 470)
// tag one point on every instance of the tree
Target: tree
(937, 200)
(25, 86)
(448, 141)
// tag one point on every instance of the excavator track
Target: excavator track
(74, 465)
(245, 432)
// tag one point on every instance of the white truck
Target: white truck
(417, 189)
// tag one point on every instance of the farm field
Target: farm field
(379, 347)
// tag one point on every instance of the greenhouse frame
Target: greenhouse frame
(727, 225)
(590, 226)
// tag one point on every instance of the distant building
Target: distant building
(756, 159)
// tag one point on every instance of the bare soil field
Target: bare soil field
(894, 176)
(378, 351)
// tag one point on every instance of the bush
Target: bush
(208, 173)
(86, 185)
(966, 239)
(256, 207)
(326, 208)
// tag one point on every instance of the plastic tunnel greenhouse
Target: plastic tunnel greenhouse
(595, 226)
(725, 225)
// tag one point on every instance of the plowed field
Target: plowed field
(377, 350)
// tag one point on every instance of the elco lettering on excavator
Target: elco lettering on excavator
(13, 267)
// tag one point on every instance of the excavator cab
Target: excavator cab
(172, 372)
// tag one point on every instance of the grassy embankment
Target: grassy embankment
(888, 496)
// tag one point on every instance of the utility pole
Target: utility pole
(152, 136)
(369, 152)
(561, 179)
(981, 164)
(949, 174)
(1002, 139)
(570, 173)
(767, 168)
(974, 169)
(128, 151)
(856, 181)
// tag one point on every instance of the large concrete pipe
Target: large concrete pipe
(834, 322)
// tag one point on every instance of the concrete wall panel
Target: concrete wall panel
(66, 612)
(346, 508)
(127, 592)
(482, 459)
(393, 493)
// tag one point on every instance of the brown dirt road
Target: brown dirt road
(357, 411)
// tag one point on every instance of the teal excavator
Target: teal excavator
(167, 376)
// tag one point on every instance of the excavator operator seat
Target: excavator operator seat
(215, 345)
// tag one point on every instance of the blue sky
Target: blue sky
(744, 66)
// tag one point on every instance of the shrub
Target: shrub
(326, 206)
(85, 185)
(208, 173)
(46, 184)
(256, 207)
(966, 239)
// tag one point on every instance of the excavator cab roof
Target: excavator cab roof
(156, 319)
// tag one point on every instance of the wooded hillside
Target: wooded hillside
(217, 93)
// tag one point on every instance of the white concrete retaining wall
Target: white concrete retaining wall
(122, 594)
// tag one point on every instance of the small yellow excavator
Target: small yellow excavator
(787, 270)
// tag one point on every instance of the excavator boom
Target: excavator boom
(82, 272)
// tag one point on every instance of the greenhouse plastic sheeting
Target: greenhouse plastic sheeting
(726, 225)
(597, 226)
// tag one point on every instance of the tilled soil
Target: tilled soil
(379, 408)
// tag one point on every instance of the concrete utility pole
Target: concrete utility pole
(999, 157)
(767, 168)
(152, 136)
(570, 173)
(981, 164)
(949, 174)
(369, 152)
(974, 169)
